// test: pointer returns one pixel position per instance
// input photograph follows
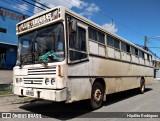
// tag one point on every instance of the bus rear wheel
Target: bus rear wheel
(97, 96)
(142, 86)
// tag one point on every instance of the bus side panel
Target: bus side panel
(78, 89)
(78, 84)
(114, 85)
(118, 76)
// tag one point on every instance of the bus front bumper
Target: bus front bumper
(47, 94)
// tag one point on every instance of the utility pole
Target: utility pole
(145, 42)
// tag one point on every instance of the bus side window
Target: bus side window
(136, 51)
(148, 57)
(92, 34)
(110, 41)
(101, 37)
(77, 45)
(116, 43)
(125, 47)
(141, 54)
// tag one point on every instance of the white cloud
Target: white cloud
(87, 9)
(21, 7)
(90, 10)
(111, 27)
(67, 3)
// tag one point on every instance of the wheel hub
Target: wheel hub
(97, 95)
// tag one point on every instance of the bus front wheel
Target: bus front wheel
(97, 95)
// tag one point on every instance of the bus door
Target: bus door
(78, 61)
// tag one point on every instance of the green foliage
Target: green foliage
(5, 92)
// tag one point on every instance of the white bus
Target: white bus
(63, 56)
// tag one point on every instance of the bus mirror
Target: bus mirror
(74, 25)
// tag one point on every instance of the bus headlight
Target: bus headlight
(52, 81)
(47, 81)
(18, 80)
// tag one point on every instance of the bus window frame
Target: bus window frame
(85, 27)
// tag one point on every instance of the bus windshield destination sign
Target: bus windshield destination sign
(43, 19)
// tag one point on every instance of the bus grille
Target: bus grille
(33, 81)
(42, 71)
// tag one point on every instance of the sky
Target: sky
(130, 19)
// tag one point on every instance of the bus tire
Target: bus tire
(142, 86)
(97, 95)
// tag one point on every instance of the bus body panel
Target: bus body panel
(48, 94)
(118, 76)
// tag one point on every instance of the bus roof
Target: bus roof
(85, 20)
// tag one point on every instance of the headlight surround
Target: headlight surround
(18, 80)
(52, 81)
(47, 81)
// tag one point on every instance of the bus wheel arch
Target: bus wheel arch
(142, 85)
(102, 82)
(97, 93)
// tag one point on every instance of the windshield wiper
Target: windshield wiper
(24, 57)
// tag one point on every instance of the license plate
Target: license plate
(30, 92)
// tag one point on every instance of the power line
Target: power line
(154, 47)
(19, 5)
(157, 39)
(20, 2)
(138, 33)
(41, 4)
(9, 2)
(112, 19)
(154, 54)
(34, 5)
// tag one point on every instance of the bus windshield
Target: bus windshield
(42, 45)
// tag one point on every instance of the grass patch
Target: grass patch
(5, 92)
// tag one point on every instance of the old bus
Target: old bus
(63, 56)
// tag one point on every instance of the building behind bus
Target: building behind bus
(8, 38)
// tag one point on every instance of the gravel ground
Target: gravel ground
(12, 99)
(6, 76)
